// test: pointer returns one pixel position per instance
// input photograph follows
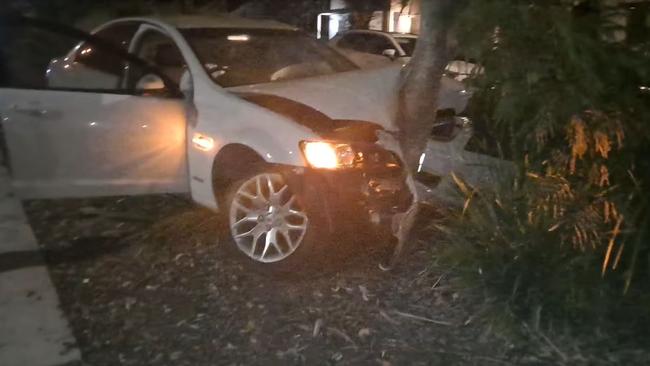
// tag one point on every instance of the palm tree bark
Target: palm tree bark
(418, 102)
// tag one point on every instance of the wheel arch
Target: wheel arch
(233, 162)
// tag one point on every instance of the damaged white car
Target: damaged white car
(251, 118)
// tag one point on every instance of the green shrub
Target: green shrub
(526, 272)
(565, 245)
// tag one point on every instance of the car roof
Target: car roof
(212, 21)
(374, 31)
(403, 35)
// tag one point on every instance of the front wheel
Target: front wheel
(268, 221)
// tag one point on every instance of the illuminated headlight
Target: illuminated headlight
(328, 155)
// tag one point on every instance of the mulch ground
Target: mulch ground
(146, 281)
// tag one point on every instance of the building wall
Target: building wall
(337, 4)
(402, 20)
(406, 20)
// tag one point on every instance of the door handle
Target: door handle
(30, 111)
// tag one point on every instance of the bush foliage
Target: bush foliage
(564, 93)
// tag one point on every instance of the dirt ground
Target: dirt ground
(146, 281)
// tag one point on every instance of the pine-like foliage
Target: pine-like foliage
(563, 90)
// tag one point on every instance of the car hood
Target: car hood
(364, 95)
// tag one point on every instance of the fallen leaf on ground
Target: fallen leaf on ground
(364, 332)
(317, 326)
(364, 292)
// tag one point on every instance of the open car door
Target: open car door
(74, 127)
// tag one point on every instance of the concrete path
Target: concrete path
(33, 330)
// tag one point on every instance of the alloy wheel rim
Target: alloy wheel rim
(266, 220)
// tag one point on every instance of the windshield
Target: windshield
(235, 57)
(407, 44)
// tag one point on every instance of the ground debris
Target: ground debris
(423, 319)
(341, 334)
(364, 293)
(101, 214)
(338, 356)
(317, 327)
(363, 333)
(162, 291)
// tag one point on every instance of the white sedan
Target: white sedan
(251, 118)
(370, 48)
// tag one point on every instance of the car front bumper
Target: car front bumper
(355, 199)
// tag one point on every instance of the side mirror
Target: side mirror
(391, 53)
(150, 82)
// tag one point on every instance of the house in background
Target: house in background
(395, 18)
(406, 19)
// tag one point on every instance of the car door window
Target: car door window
(353, 42)
(35, 53)
(407, 44)
(377, 44)
(102, 60)
(160, 51)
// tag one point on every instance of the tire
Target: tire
(272, 226)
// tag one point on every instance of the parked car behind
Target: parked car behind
(253, 119)
(370, 48)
